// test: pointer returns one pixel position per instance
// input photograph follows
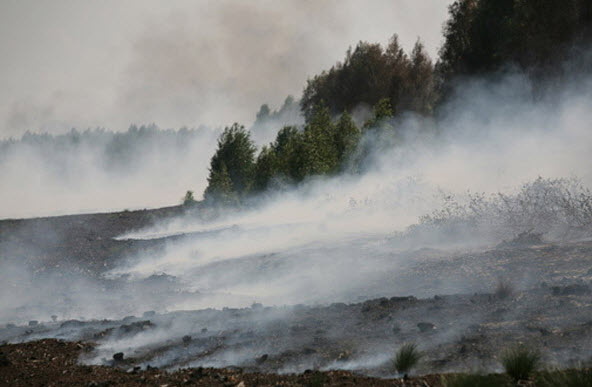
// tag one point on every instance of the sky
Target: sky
(181, 63)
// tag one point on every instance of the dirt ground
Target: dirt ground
(298, 344)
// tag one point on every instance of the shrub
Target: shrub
(189, 199)
(519, 362)
(503, 290)
(406, 358)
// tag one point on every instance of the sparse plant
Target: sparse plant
(475, 380)
(504, 289)
(406, 358)
(520, 362)
(566, 378)
(188, 199)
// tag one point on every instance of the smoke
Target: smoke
(334, 239)
(182, 63)
(99, 171)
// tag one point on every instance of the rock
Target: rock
(262, 359)
(425, 327)
(71, 324)
(33, 323)
(4, 360)
(54, 318)
(118, 356)
(569, 290)
(198, 373)
(204, 330)
(186, 339)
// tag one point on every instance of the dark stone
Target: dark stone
(33, 323)
(262, 359)
(4, 360)
(186, 339)
(425, 327)
(197, 374)
(71, 324)
(118, 356)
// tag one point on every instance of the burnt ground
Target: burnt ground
(260, 345)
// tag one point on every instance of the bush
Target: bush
(503, 290)
(520, 362)
(406, 358)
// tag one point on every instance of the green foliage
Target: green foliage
(346, 138)
(470, 380)
(381, 113)
(319, 139)
(265, 169)
(485, 35)
(232, 166)
(406, 358)
(565, 378)
(520, 362)
(289, 148)
(220, 189)
(188, 199)
(370, 74)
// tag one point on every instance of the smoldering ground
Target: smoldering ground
(358, 238)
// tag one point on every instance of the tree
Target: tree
(382, 112)
(232, 166)
(220, 189)
(289, 150)
(265, 169)
(319, 134)
(347, 136)
(421, 79)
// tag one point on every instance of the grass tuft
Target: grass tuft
(406, 358)
(520, 362)
(566, 378)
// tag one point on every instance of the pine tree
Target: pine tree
(347, 136)
(233, 161)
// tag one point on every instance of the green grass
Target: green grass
(406, 358)
(520, 362)
(472, 380)
(566, 378)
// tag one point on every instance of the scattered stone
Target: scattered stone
(118, 356)
(71, 324)
(425, 327)
(569, 290)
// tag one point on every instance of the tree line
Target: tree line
(480, 37)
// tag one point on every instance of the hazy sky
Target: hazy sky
(111, 63)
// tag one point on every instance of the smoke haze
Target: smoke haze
(182, 63)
